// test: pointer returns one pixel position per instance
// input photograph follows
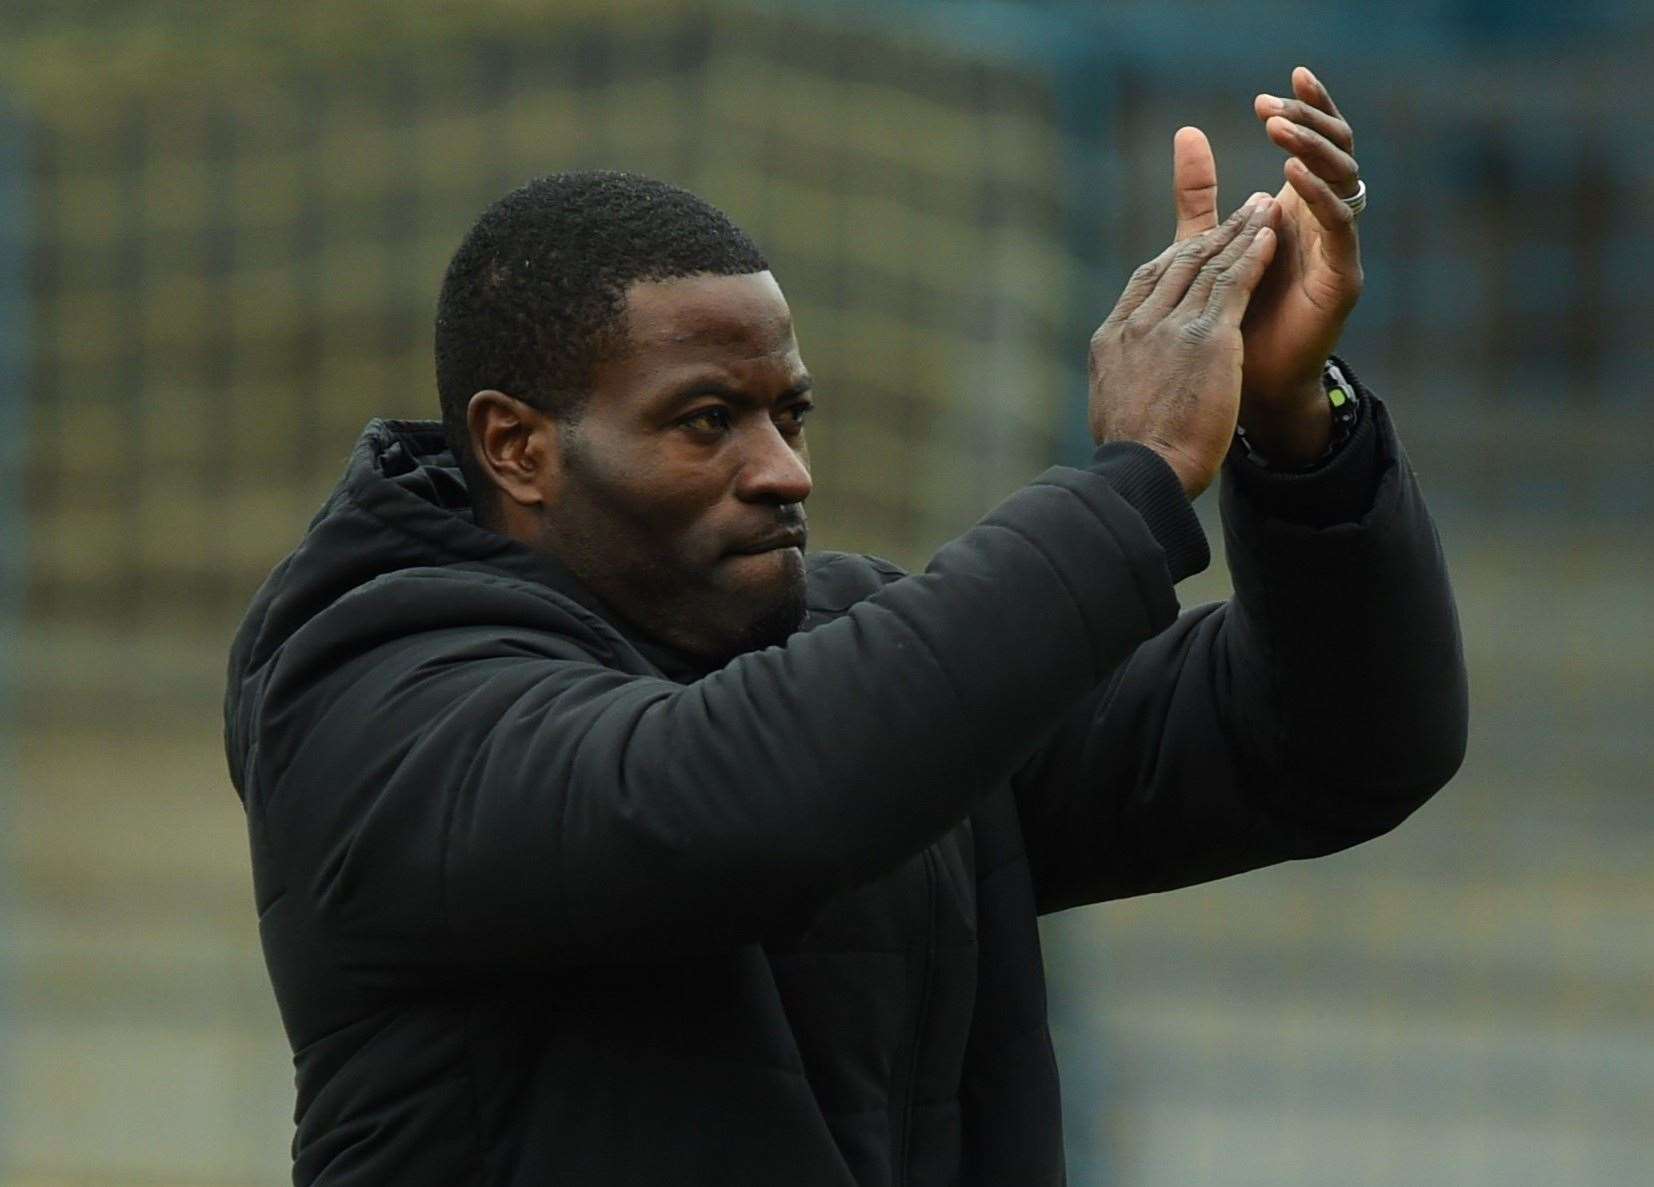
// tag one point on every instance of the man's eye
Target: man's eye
(707, 420)
(793, 417)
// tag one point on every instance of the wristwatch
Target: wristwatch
(1346, 411)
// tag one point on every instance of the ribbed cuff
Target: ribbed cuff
(1142, 478)
(1339, 490)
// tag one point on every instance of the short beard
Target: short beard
(655, 607)
(774, 625)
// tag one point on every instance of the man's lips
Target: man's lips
(786, 538)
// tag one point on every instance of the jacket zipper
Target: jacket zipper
(905, 1137)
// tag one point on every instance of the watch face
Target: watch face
(1341, 395)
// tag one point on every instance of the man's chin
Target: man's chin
(773, 600)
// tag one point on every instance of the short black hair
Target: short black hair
(535, 295)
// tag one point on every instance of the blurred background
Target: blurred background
(221, 234)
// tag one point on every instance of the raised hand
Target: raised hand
(1166, 364)
(1300, 307)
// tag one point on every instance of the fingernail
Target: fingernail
(1271, 103)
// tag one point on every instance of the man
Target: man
(600, 835)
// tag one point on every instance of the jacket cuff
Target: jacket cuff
(1142, 478)
(1339, 490)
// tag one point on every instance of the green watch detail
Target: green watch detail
(1346, 408)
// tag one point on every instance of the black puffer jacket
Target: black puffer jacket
(544, 903)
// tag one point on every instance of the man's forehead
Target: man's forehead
(746, 312)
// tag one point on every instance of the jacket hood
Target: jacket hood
(402, 504)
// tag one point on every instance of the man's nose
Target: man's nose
(773, 470)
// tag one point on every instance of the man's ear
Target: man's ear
(516, 445)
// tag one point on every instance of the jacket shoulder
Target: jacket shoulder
(430, 616)
(838, 580)
(418, 601)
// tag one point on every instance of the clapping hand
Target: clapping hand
(1299, 309)
(1166, 364)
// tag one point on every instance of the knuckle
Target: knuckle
(1195, 330)
(1108, 335)
(1218, 265)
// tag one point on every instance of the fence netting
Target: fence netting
(232, 230)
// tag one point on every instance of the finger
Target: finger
(1186, 262)
(1313, 91)
(1334, 215)
(1232, 291)
(1141, 284)
(1194, 183)
(1332, 127)
(1324, 158)
(1200, 289)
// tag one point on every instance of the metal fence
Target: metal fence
(229, 279)
(232, 231)
(230, 276)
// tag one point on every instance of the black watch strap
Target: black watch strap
(1346, 412)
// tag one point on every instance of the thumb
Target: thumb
(1194, 183)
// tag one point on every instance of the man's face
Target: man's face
(681, 496)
